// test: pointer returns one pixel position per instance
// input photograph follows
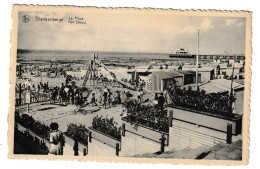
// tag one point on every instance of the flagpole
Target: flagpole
(197, 60)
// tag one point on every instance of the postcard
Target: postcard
(130, 85)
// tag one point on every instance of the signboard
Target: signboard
(28, 97)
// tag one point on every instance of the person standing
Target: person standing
(139, 96)
(155, 102)
(165, 93)
(56, 139)
(118, 97)
(109, 97)
(33, 87)
(105, 97)
(39, 87)
(161, 101)
(162, 140)
(51, 96)
(93, 99)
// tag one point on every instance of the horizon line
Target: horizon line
(228, 54)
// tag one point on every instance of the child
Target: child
(93, 99)
(56, 140)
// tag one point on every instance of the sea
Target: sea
(83, 55)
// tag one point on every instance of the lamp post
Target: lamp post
(197, 60)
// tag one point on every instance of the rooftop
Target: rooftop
(186, 72)
(163, 75)
(175, 74)
(226, 83)
(204, 69)
(217, 86)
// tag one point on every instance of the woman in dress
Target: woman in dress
(56, 140)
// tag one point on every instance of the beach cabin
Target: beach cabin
(189, 67)
(178, 78)
(161, 80)
(237, 70)
(206, 73)
(189, 77)
(224, 85)
(223, 67)
(177, 67)
(215, 66)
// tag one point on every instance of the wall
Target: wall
(155, 86)
(178, 81)
(186, 135)
(148, 83)
(206, 76)
(188, 79)
(166, 83)
(133, 144)
(239, 103)
(68, 148)
(191, 129)
(98, 148)
(157, 83)
(236, 71)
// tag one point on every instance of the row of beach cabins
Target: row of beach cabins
(212, 78)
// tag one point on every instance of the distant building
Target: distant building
(181, 51)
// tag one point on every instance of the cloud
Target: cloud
(240, 24)
(230, 22)
(189, 29)
(131, 32)
(206, 24)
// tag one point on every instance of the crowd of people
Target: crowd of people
(107, 98)
(64, 94)
(69, 94)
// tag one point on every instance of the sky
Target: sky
(132, 32)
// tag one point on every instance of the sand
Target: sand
(64, 115)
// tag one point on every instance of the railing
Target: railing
(74, 146)
(36, 97)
